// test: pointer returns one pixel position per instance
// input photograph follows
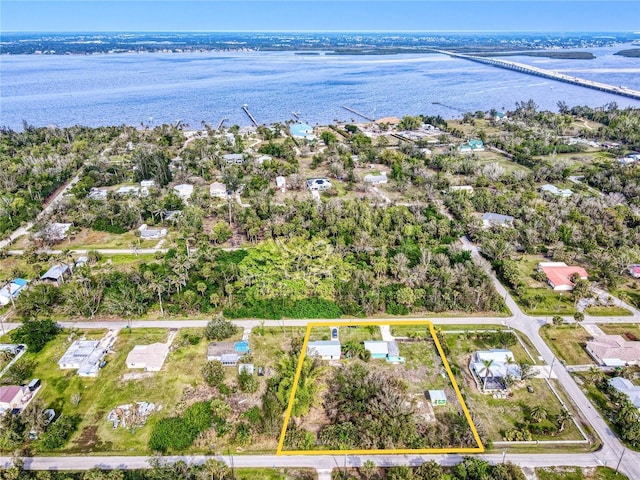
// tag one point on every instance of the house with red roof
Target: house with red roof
(634, 271)
(559, 274)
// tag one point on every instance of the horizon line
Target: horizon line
(324, 31)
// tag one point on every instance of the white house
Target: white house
(491, 219)
(318, 184)
(84, 356)
(218, 190)
(233, 158)
(325, 349)
(12, 290)
(376, 179)
(281, 183)
(97, 194)
(147, 233)
(491, 367)
(184, 191)
(558, 192)
(461, 188)
(148, 357)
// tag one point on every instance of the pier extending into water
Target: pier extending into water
(358, 113)
(245, 107)
(540, 72)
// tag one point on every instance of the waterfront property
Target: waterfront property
(560, 276)
(302, 130)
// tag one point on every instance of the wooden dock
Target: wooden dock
(358, 113)
(245, 107)
(220, 124)
(540, 72)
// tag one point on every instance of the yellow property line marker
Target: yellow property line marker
(340, 323)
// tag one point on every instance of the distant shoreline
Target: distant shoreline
(629, 53)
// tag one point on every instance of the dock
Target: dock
(540, 72)
(358, 113)
(245, 107)
(220, 123)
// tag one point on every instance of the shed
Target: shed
(437, 397)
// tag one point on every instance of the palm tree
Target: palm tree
(538, 413)
(486, 368)
(562, 418)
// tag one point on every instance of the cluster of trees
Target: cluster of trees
(622, 412)
(368, 410)
(160, 470)
(36, 161)
(471, 468)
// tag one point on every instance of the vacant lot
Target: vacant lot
(576, 473)
(568, 343)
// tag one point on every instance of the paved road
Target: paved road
(609, 454)
(24, 230)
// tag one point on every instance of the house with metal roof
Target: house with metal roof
(558, 192)
(56, 274)
(491, 219)
(325, 349)
(627, 388)
(491, 367)
(12, 290)
(384, 349)
(218, 190)
(378, 179)
(437, 397)
(11, 396)
(233, 158)
(84, 356)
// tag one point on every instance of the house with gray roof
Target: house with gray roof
(492, 219)
(325, 349)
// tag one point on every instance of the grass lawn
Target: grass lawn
(577, 473)
(568, 342)
(620, 329)
(268, 343)
(629, 291)
(601, 311)
(469, 342)
(109, 389)
(499, 415)
(347, 334)
(276, 473)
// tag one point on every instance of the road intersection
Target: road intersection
(612, 452)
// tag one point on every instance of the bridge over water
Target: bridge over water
(540, 72)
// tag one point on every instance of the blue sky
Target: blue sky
(304, 15)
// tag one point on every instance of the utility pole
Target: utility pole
(620, 461)
(551, 367)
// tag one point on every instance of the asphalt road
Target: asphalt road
(611, 452)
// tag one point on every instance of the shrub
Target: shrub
(59, 432)
(213, 373)
(219, 329)
(178, 433)
(19, 372)
(247, 382)
(35, 333)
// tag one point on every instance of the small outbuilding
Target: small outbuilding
(437, 397)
